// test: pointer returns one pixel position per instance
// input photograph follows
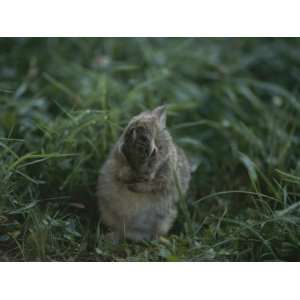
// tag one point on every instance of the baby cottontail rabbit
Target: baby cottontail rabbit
(139, 183)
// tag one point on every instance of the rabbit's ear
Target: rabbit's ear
(161, 113)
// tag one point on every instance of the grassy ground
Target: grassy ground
(233, 106)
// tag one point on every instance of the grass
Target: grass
(233, 106)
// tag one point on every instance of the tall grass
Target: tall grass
(233, 106)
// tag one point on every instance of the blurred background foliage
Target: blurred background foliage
(233, 105)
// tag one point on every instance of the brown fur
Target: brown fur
(137, 191)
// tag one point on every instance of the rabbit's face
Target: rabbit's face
(141, 144)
